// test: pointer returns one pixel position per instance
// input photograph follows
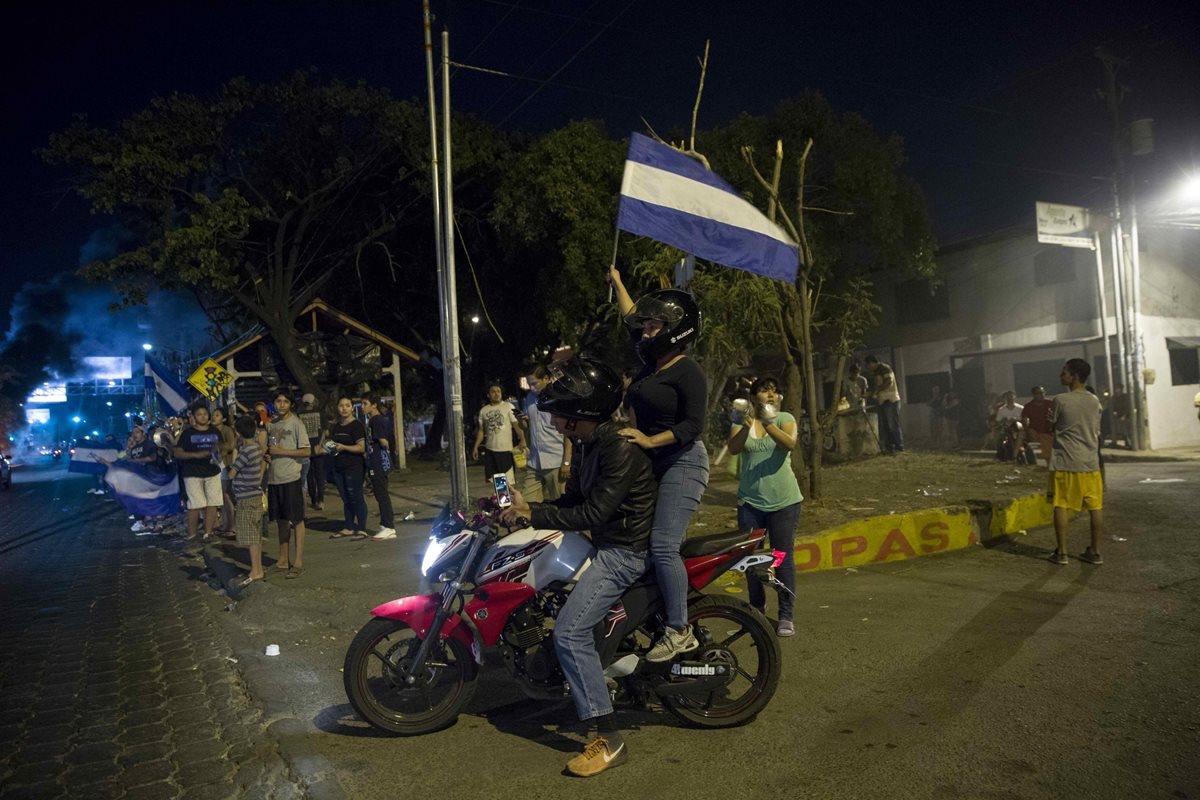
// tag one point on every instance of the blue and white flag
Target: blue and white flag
(672, 198)
(143, 489)
(86, 458)
(172, 396)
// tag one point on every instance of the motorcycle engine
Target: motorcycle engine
(526, 628)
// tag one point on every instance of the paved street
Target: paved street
(117, 681)
(983, 673)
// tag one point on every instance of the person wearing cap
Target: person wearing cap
(313, 472)
(610, 493)
(669, 401)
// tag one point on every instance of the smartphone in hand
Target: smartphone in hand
(503, 493)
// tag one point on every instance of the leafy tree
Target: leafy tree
(855, 214)
(256, 197)
(554, 211)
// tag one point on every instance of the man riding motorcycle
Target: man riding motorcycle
(611, 493)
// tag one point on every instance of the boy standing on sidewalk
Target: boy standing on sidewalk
(287, 445)
(1075, 481)
(245, 475)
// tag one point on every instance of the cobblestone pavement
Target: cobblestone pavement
(117, 681)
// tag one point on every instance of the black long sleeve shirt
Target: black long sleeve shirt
(675, 400)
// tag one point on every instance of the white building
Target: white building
(1012, 310)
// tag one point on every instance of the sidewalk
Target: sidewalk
(1119, 455)
(117, 681)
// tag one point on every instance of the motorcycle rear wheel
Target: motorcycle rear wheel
(379, 695)
(721, 623)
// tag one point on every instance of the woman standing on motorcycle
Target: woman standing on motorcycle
(668, 399)
(768, 492)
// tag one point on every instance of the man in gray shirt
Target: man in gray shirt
(1075, 480)
(287, 446)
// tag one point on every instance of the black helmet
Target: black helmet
(581, 388)
(678, 312)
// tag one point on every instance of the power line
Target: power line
(551, 46)
(568, 63)
(574, 86)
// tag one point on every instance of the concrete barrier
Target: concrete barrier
(896, 537)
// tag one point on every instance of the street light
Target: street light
(1190, 192)
(147, 346)
(109, 403)
(474, 319)
(76, 420)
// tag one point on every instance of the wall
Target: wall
(993, 294)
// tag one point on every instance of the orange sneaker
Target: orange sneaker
(596, 758)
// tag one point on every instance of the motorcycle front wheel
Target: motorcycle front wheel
(378, 659)
(730, 633)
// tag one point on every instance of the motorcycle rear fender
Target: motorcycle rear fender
(417, 612)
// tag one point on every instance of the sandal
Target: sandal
(344, 533)
(295, 572)
(246, 580)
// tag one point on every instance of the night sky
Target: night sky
(997, 102)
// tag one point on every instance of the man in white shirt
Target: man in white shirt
(887, 395)
(1010, 409)
(496, 425)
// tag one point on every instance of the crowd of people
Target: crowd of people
(622, 457)
(240, 471)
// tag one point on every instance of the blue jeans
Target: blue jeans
(612, 571)
(681, 483)
(891, 438)
(781, 532)
(354, 505)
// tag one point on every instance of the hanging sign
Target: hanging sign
(1069, 226)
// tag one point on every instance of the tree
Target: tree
(254, 198)
(554, 213)
(871, 219)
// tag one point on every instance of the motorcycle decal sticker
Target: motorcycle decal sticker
(517, 561)
(616, 615)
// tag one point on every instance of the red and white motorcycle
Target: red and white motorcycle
(412, 668)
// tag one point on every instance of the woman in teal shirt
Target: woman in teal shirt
(768, 494)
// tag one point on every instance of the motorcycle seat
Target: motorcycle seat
(712, 544)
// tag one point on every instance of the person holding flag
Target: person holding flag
(668, 399)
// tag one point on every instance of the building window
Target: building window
(917, 301)
(1185, 361)
(1054, 265)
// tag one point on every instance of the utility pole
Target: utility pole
(1125, 251)
(443, 231)
(450, 353)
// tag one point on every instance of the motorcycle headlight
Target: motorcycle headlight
(434, 552)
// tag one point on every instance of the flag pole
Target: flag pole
(613, 261)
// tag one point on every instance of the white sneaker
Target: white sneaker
(138, 527)
(384, 533)
(671, 644)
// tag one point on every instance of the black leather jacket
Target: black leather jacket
(610, 493)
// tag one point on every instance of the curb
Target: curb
(898, 537)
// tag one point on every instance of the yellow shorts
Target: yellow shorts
(1076, 491)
